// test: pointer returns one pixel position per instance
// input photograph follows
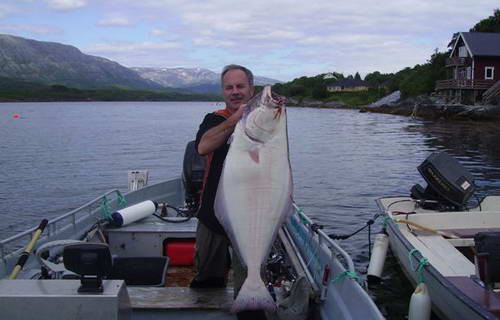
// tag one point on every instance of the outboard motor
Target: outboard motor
(193, 171)
(449, 184)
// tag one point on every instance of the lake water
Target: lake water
(57, 156)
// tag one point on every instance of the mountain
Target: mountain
(178, 77)
(54, 63)
(192, 79)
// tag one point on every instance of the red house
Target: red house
(473, 68)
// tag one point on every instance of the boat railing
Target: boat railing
(312, 238)
(66, 220)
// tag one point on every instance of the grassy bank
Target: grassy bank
(16, 90)
(356, 98)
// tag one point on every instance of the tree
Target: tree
(490, 24)
(319, 91)
(357, 76)
(297, 90)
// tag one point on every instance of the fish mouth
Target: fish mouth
(272, 99)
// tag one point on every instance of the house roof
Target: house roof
(482, 43)
(349, 83)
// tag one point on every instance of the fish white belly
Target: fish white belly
(252, 202)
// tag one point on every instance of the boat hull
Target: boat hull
(310, 250)
(448, 301)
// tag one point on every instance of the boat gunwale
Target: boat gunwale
(51, 225)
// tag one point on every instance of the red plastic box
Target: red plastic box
(180, 252)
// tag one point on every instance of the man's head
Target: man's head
(237, 86)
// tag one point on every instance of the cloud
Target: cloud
(5, 10)
(129, 47)
(158, 32)
(38, 29)
(141, 54)
(66, 4)
(115, 21)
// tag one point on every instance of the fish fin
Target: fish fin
(253, 295)
(254, 153)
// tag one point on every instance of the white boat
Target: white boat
(444, 249)
(152, 267)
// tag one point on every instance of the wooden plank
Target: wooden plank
(438, 263)
(180, 298)
(458, 220)
(179, 276)
(465, 242)
(470, 232)
(447, 254)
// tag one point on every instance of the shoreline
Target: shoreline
(420, 107)
(425, 108)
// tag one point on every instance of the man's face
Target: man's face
(236, 89)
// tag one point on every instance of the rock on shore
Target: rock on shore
(433, 107)
(315, 104)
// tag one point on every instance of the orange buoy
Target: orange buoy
(16, 116)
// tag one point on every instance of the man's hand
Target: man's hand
(215, 137)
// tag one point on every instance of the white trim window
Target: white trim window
(489, 73)
(462, 52)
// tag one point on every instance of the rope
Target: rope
(421, 264)
(347, 236)
(301, 214)
(387, 220)
(105, 208)
(122, 202)
(347, 274)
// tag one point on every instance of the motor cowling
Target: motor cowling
(193, 171)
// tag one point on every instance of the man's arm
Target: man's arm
(215, 137)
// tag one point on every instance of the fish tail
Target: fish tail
(253, 295)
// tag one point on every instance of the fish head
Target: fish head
(262, 115)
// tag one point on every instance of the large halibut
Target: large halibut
(254, 196)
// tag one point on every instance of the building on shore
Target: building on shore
(348, 85)
(473, 68)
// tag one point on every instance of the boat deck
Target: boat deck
(180, 298)
(148, 238)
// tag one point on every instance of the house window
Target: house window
(469, 73)
(462, 52)
(489, 73)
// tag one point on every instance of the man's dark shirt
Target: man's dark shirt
(215, 162)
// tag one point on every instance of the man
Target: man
(212, 258)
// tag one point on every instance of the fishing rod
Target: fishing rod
(26, 253)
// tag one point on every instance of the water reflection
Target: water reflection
(475, 144)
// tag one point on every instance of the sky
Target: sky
(278, 39)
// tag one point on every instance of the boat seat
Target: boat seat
(469, 232)
(444, 256)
